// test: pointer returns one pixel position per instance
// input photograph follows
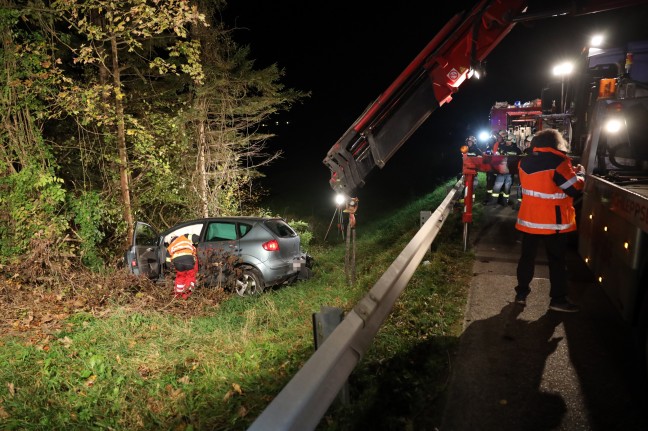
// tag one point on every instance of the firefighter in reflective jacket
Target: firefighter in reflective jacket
(549, 185)
(182, 253)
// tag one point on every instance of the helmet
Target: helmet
(503, 133)
(471, 138)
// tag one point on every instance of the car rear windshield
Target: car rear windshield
(280, 228)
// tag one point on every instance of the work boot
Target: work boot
(563, 305)
(488, 197)
(501, 201)
(521, 295)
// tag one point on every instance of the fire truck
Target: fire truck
(604, 118)
(519, 119)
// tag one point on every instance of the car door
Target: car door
(143, 257)
(220, 242)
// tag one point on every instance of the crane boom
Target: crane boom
(428, 82)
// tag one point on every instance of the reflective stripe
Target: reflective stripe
(544, 195)
(568, 183)
(544, 226)
(182, 253)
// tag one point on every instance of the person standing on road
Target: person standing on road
(182, 253)
(471, 149)
(491, 175)
(504, 179)
(549, 185)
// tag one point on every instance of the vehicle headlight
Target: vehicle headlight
(613, 125)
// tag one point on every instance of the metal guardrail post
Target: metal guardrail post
(302, 403)
(324, 323)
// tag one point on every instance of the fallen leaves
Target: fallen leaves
(236, 389)
(32, 307)
(144, 371)
(66, 342)
(90, 381)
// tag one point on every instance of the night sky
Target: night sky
(347, 52)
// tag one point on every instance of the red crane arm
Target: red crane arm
(428, 82)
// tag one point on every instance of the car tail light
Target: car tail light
(271, 245)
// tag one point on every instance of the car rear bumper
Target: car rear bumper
(274, 272)
(279, 271)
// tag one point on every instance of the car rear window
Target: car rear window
(280, 228)
(244, 229)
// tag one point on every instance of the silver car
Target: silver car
(246, 254)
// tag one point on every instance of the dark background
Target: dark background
(347, 52)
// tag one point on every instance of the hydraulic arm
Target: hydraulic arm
(428, 82)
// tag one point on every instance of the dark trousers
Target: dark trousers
(555, 246)
(490, 181)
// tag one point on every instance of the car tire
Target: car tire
(248, 282)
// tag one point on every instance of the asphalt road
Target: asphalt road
(528, 368)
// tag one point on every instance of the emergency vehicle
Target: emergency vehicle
(519, 119)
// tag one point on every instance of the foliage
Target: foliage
(32, 204)
(228, 109)
(109, 100)
(89, 211)
(304, 230)
(32, 194)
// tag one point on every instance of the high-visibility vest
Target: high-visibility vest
(549, 185)
(181, 246)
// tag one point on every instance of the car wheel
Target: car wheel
(248, 282)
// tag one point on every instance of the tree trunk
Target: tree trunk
(121, 141)
(202, 168)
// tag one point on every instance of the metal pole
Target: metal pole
(353, 257)
(347, 255)
(330, 224)
(562, 96)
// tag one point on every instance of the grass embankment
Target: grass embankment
(131, 368)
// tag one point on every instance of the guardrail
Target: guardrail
(302, 403)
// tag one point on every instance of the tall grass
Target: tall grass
(148, 370)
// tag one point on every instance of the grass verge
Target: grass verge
(138, 368)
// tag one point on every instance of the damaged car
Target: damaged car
(245, 254)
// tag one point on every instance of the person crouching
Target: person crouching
(183, 257)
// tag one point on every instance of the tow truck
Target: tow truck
(607, 130)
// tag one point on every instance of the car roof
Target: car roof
(249, 219)
(230, 218)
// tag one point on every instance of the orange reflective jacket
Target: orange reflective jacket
(549, 185)
(181, 246)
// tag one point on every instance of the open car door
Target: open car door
(144, 257)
